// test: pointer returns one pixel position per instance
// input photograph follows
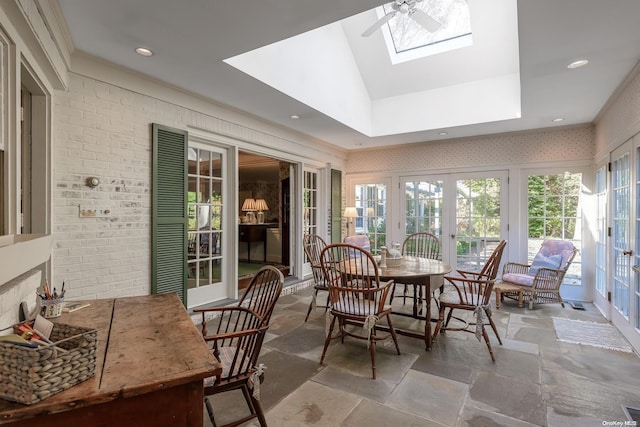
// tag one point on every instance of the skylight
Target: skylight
(404, 34)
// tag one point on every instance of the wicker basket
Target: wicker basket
(28, 375)
(394, 262)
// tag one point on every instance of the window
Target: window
(371, 204)
(424, 201)
(554, 213)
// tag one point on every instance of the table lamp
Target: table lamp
(350, 213)
(261, 205)
(249, 206)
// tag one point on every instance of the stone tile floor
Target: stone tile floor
(535, 381)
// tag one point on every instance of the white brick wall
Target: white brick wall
(103, 130)
(12, 293)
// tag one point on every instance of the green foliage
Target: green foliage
(553, 202)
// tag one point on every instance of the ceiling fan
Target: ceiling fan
(409, 8)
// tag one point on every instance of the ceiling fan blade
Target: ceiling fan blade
(379, 23)
(425, 20)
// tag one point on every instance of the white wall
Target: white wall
(620, 120)
(546, 146)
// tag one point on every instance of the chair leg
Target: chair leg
(328, 339)
(254, 405)
(393, 334)
(486, 340)
(448, 318)
(372, 351)
(259, 412)
(315, 295)
(393, 291)
(440, 320)
(495, 330)
(210, 411)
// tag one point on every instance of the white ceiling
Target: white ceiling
(191, 38)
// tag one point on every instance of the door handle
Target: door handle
(629, 252)
(453, 236)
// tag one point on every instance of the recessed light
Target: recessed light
(143, 51)
(443, 133)
(577, 64)
(295, 117)
(558, 119)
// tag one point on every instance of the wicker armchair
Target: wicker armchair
(539, 282)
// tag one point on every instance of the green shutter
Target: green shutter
(336, 206)
(169, 212)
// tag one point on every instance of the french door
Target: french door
(468, 212)
(624, 289)
(311, 214)
(601, 238)
(206, 201)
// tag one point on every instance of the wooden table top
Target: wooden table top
(414, 268)
(145, 343)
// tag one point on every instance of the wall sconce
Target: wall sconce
(350, 213)
(92, 182)
(261, 205)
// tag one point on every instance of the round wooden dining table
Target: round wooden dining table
(416, 271)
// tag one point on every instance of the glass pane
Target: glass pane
(204, 164)
(216, 192)
(192, 161)
(553, 213)
(216, 165)
(478, 221)
(371, 203)
(204, 195)
(406, 33)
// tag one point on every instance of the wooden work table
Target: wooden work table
(150, 363)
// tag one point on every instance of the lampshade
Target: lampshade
(261, 205)
(249, 205)
(350, 212)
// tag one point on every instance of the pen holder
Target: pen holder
(50, 308)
